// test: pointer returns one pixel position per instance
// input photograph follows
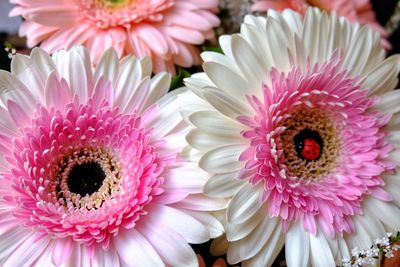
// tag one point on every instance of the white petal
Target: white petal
(214, 227)
(297, 246)
(79, 75)
(245, 203)
(223, 185)
(249, 64)
(389, 214)
(14, 89)
(389, 102)
(224, 103)
(204, 141)
(223, 159)
(321, 254)
(26, 71)
(202, 203)
(128, 79)
(188, 227)
(11, 239)
(108, 66)
(236, 232)
(249, 246)
(215, 123)
(383, 77)
(171, 247)
(269, 252)
(159, 86)
(133, 247)
(227, 80)
(42, 61)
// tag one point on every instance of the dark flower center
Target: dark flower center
(86, 178)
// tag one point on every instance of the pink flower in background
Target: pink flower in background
(90, 170)
(298, 123)
(355, 10)
(165, 30)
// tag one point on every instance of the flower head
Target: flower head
(90, 165)
(354, 10)
(297, 123)
(165, 30)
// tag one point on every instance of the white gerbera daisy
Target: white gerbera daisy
(298, 123)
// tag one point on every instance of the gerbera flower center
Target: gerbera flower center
(113, 13)
(310, 143)
(87, 177)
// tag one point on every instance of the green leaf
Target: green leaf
(177, 81)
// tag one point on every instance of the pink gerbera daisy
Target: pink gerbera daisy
(355, 10)
(90, 167)
(298, 123)
(165, 30)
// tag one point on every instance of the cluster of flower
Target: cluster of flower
(385, 246)
(287, 140)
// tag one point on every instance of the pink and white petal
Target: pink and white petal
(188, 178)
(133, 247)
(167, 117)
(62, 250)
(177, 220)
(55, 16)
(297, 246)
(169, 197)
(12, 239)
(103, 91)
(245, 203)
(57, 92)
(105, 258)
(176, 253)
(152, 37)
(27, 251)
(18, 114)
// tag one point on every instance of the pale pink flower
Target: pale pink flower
(165, 30)
(297, 121)
(90, 168)
(355, 10)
